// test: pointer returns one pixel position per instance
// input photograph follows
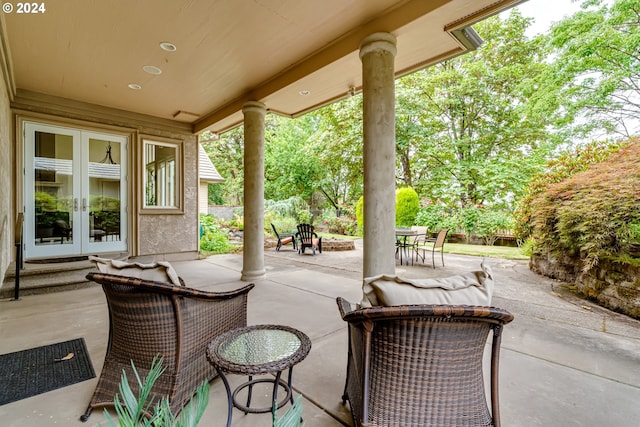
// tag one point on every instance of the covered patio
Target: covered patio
(143, 80)
(564, 361)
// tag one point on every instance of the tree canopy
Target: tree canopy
(598, 52)
(470, 131)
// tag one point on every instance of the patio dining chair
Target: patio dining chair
(421, 365)
(418, 239)
(149, 318)
(284, 239)
(308, 238)
(433, 245)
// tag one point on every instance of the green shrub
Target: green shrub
(286, 208)
(213, 239)
(407, 206)
(469, 217)
(528, 247)
(432, 215)
(437, 216)
(45, 202)
(360, 215)
(237, 222)
(282, 224)
(490, 222)
(304, 216)
(342, 225)
(633, 235)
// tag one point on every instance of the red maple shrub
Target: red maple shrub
(589, 214)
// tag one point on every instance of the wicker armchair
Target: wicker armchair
(150, 318)
(421, 365)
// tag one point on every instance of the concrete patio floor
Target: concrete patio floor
(564, 361)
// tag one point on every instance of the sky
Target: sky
(546, 12)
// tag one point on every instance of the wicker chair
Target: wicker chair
(150, 318)
(421, 365)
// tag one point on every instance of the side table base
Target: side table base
(233, 400)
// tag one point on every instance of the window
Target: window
(161, 175)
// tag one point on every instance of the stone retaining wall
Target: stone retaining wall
(612, 285)
(337, 245)
(224, 212)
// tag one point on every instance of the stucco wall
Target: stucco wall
(175, 236)
(6, 170)
(224, 212)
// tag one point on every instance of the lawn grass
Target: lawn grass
(506, 252)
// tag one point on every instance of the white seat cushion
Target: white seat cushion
(160, 271)
(473, 288)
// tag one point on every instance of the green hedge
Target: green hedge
(407, 205)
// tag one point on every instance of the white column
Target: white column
(377, 53)
(253, 254)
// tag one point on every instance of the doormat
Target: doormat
(57, 260)
(30, 372)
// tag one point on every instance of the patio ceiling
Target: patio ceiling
(293, 55)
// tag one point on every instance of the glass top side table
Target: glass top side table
(258, 350)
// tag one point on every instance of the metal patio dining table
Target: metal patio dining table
(402, 235)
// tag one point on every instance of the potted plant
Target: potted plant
(134, 411)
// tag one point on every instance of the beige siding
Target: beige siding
(203, 198)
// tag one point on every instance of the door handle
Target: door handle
(84, 204)
(75, 204)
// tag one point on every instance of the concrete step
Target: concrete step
(44, 278)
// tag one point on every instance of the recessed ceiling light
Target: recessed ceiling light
(304, 92)
(169, 47)
(134, 86)
(152, 70)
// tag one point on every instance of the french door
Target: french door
(75, 191)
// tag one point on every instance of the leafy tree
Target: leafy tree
(292, 166)
(598, 50)
(472, 130)
(227, 154)
(339, 149)
(214, 194)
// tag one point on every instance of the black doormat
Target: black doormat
(30, 372)
(57, 260)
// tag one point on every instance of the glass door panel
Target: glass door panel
(106, 215)
(51, 205)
